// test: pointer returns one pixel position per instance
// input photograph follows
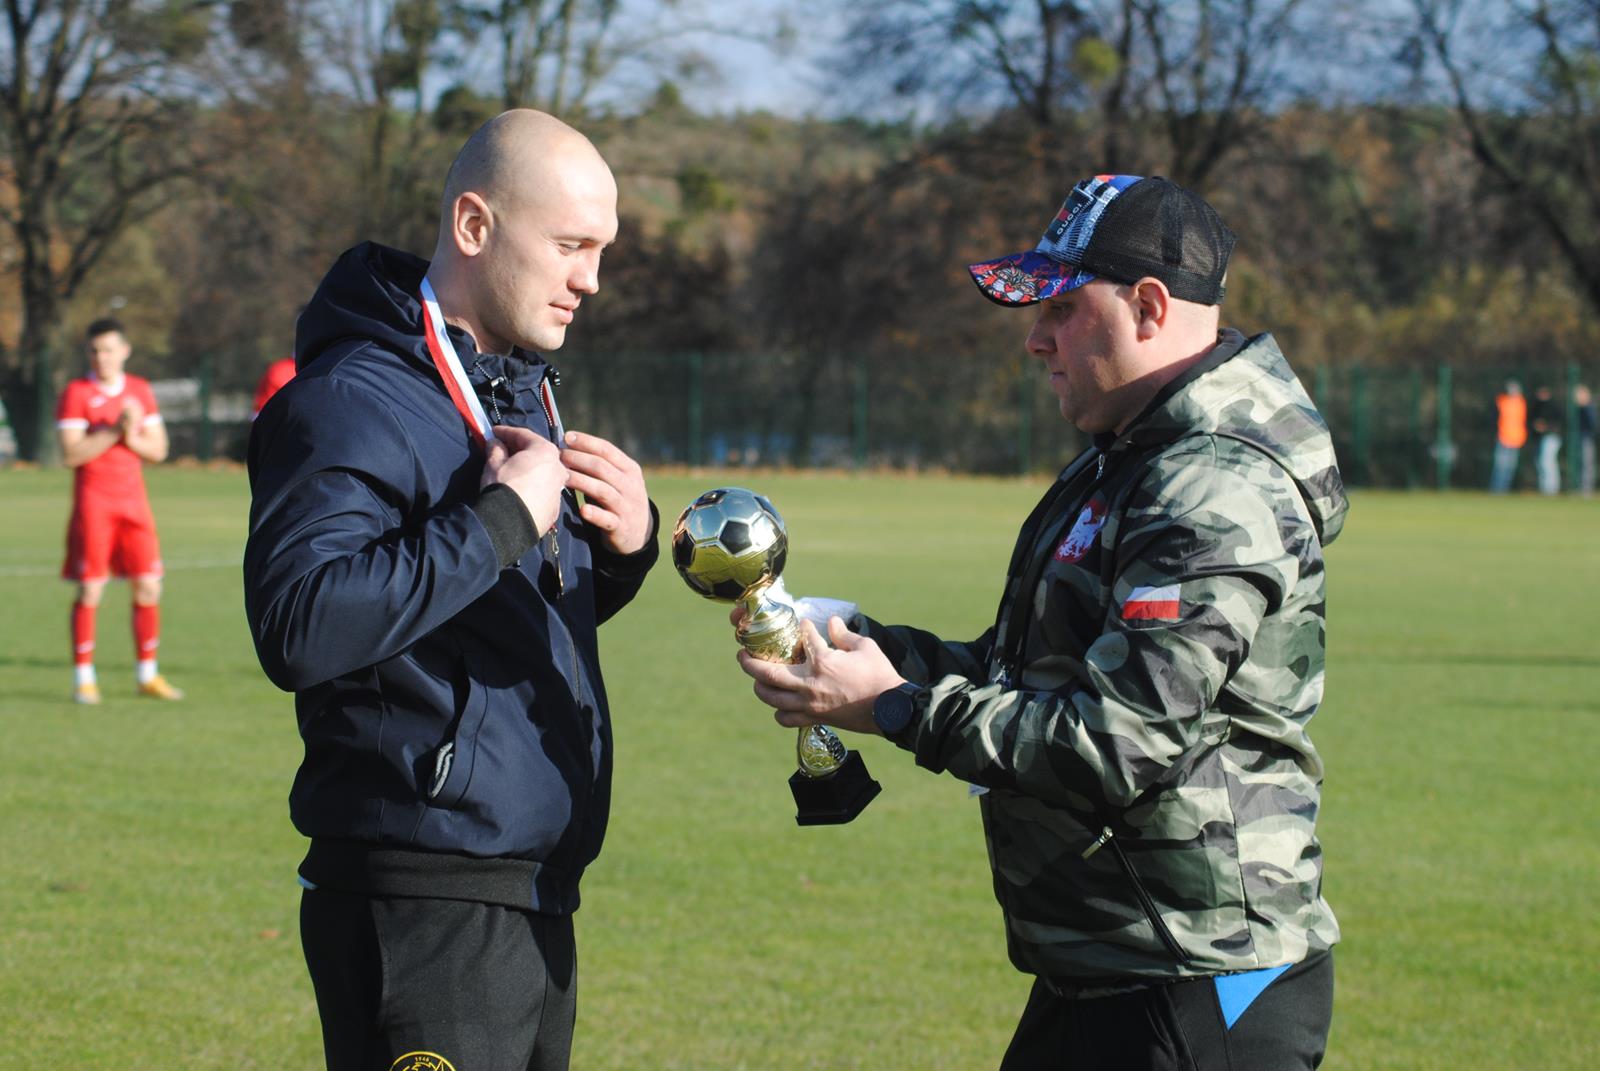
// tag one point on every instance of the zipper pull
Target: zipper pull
(547, 399)
(554, 556)
(1099, 842)
(1100, 466)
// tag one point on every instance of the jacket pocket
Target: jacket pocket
(453, 759)
(1146, 904)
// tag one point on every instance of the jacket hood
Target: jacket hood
(373, 294)
(1254, 396)
(370, 294)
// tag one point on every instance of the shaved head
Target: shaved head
(511, 158)
(528, 206)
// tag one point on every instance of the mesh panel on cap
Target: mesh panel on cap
(1159, 229)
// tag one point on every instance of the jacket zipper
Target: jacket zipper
(580, 817)
(1145, 903)
(547, 403)
(1007, 668)
(546, 395)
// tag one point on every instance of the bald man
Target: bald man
(422, 574)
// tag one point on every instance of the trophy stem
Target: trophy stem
(818, 751)
(831, 785)
(770, 630)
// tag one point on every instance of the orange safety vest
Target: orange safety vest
(1513, 429)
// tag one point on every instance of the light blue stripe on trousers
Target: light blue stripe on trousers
(1236, 992)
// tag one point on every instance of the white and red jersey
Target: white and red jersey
(117, 474)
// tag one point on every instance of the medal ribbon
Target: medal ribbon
(548, 397)
(454, 376)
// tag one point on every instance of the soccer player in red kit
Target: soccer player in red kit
(108, 427)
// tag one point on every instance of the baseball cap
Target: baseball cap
(1122, 228)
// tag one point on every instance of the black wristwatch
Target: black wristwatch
(894, 709)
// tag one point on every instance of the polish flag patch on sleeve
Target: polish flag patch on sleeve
(1152, 604)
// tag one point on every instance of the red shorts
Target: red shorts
(106, 539)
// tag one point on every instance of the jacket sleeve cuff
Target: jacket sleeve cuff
(640, 561)
(510, 525)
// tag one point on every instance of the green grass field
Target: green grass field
(147, 895)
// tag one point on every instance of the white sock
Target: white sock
(83, 674)
(145, 670)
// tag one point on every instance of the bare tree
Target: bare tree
(1135, 85)
(91, 123)
(551, 55)
(384, 52)
(1215, 67)
(557, 55)
(1526, 89)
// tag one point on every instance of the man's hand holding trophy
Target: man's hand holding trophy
(731, 545)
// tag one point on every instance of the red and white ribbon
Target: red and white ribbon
(553, 414)
(454, 376)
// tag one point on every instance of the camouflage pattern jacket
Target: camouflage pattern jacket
(1138, 713)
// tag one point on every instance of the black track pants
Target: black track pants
(405, 983)
(1180, 1027)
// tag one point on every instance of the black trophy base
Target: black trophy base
(835, 799)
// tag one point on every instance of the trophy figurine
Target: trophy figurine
(730, 545)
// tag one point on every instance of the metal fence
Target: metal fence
(1392, 427)
(1413, 428)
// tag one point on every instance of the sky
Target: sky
(749, 74)
(755, 77)
(750, 62)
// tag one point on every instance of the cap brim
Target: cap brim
(1026, 278)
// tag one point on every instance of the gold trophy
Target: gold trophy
(730, 545)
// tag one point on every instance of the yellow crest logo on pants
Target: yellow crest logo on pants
(422, 1061)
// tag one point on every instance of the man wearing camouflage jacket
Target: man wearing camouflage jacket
(1138, 712)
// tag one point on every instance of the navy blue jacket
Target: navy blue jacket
(447, 684)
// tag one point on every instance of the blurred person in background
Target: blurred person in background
(1583, 401)
(1136, 720)
(1510, 432)
(108, 426)
(1544, 421)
